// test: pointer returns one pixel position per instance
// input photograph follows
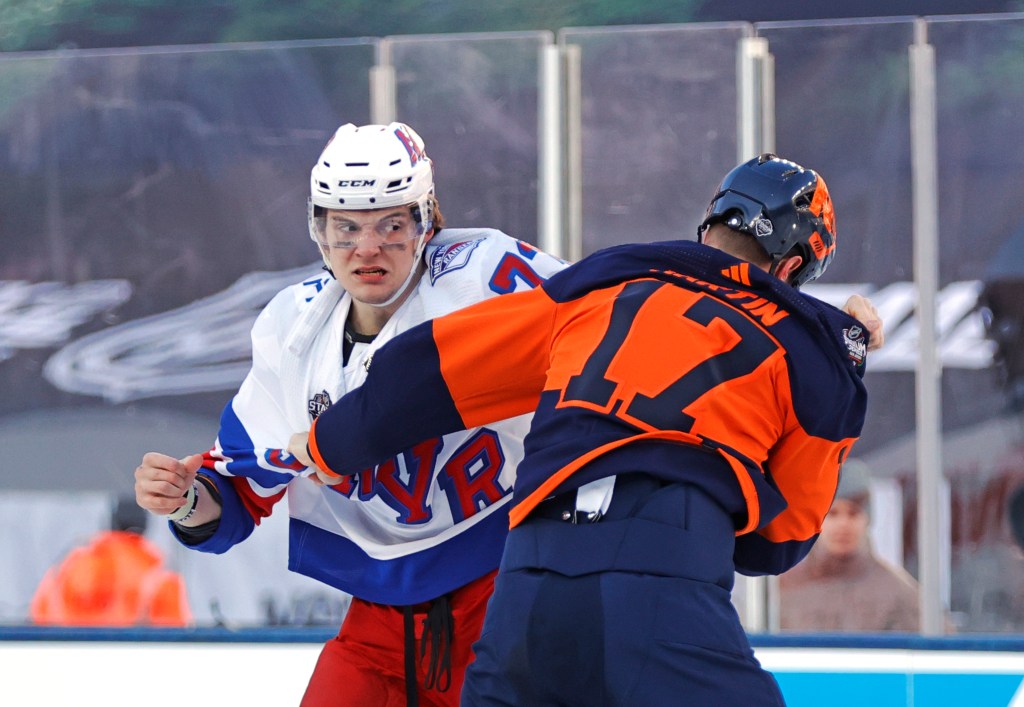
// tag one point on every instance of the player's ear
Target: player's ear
(788, 267)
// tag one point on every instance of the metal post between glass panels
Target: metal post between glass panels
(926, 277)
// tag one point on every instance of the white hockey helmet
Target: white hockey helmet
(372, 167)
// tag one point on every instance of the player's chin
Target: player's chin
(374, 295)
(366, 289)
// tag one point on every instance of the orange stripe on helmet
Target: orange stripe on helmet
(821, 205)
(819, 247)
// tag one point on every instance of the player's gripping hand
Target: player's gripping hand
(861, 309)
(161, 481)
(297, 448)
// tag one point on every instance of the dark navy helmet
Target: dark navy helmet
(784, 206)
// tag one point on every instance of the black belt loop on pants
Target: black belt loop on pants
(439, 629)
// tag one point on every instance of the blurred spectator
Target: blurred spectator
(842, 585)
(118, 579)
(1004, 317)
(1016, 513)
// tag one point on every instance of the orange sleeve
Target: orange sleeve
(806, 471)
(515, 332)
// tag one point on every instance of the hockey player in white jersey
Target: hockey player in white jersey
(416, 540)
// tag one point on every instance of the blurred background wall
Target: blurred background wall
(154, 162)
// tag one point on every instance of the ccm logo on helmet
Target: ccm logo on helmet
(357, 182)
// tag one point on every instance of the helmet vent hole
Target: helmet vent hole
(373, 200)
(357, 164)
(392, 185)
(323, 185)
(803, 201)
(327, 164)
(393, 163)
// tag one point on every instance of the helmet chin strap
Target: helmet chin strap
(420, 245)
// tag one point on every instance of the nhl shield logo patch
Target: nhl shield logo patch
(318, 403)
(762, 227)
(856, 345)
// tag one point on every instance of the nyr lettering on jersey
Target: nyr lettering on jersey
(469, 479)
(855, 344)
(318, 403)
(450, 258)
(281, 459)
(409, 499)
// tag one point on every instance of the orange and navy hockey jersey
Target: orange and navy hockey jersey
(673, 359)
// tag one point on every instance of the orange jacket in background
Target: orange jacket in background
(118, 579)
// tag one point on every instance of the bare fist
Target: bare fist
(161, 481)
(297, 448)
(861, 309)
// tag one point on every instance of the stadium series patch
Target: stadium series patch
(449, 258)
(855, 344)
(318, 403)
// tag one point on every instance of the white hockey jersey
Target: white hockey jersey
(417, 526)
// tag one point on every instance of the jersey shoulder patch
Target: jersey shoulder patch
(449, 258)
(856, 343)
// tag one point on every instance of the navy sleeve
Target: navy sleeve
(404, 400)
(755, 555)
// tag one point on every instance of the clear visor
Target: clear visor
(333, 229)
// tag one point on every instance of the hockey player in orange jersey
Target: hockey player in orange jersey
(692, 410)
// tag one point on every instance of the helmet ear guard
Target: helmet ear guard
(423, 212)
(784, 207)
